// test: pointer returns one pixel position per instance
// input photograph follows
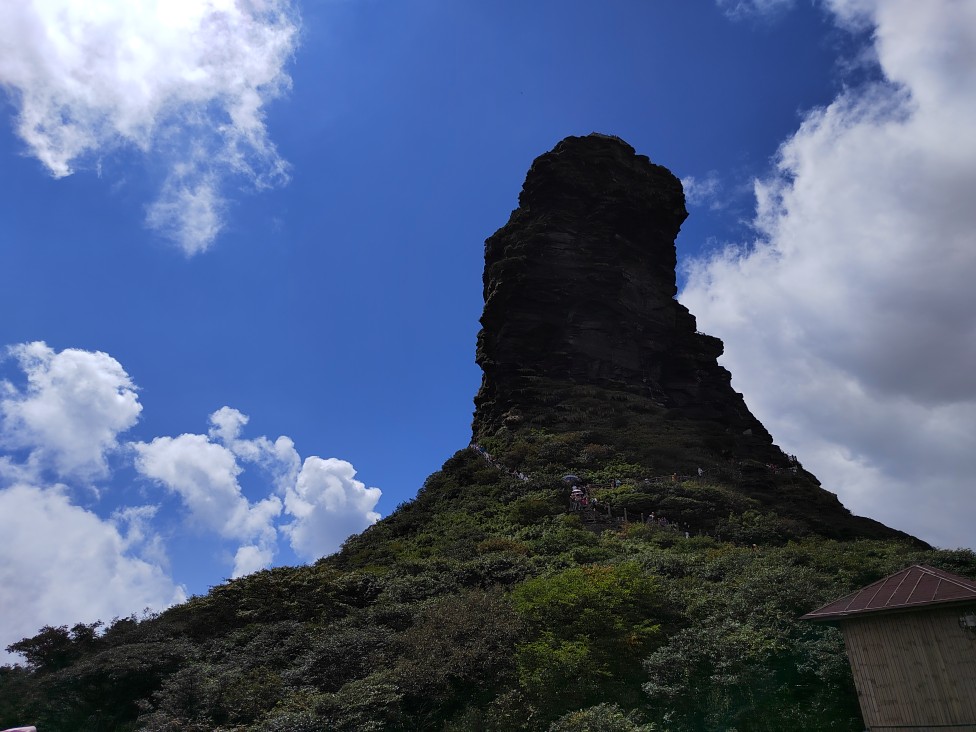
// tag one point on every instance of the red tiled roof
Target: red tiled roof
(913, 587)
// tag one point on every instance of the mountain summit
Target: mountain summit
(580, 286)
(581, 332)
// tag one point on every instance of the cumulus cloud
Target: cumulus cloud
(279, 458)
(184, 81)
(850, 322)
(328, 504)
(70, 412)
(204, 475)
(322, 497)
(61, 564)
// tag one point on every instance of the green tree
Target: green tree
(589, 628)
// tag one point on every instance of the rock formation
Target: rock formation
(580, 285)
(581, 333)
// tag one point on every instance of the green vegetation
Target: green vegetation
(485, 604)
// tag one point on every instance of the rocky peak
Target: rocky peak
(579, 285)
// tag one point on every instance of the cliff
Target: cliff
(579, 285)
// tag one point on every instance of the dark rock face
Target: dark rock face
(580, 285)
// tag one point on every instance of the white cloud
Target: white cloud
(279, 458)
(850, 324)
(184, 81)
(703, 191)
(328, 504)
(204, 475)
(251, 558)
(61, 565)
(71, 411)
(189, 211)
(135, 524)
(324, 500)
(226, 425)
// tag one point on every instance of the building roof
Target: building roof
(917, 586)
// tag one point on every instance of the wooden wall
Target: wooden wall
(914, 670)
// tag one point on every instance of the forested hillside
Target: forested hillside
(489, 604)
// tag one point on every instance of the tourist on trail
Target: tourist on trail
(576, 496)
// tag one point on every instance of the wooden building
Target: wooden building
(911, 641)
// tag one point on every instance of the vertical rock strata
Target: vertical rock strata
(579, 285)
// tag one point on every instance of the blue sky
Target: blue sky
(246, 244)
